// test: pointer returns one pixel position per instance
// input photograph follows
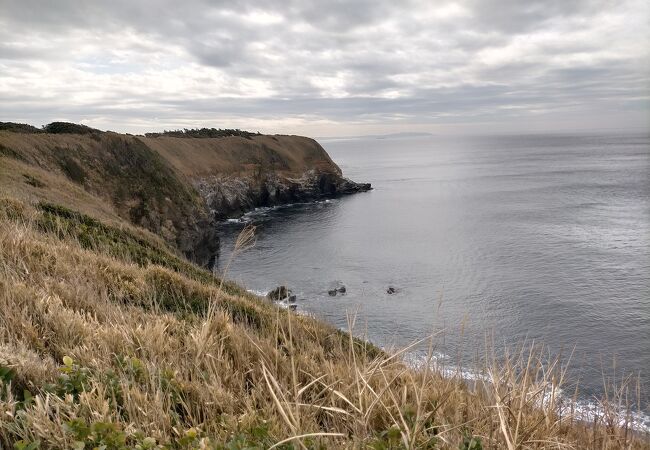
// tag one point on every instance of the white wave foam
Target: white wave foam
(257, 292)
(283, 304)
(591, 411)
(264, 210)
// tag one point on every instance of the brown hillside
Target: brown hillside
(153, 182)
(287, 155)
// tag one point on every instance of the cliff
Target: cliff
(175, 187)
(235, 174)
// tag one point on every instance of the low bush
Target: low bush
(204, 133)
(69, 128)
(18, 127)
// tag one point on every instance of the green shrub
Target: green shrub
(27, 445)
(69, 128)
(204, 133)
(7, 374)
(118, 242)
(72, 379)
(72, 169)
(18, 127)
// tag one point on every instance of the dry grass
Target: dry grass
(100, 351)
(290, 156)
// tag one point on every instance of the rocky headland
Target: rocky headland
(237, 174)
(178, 185)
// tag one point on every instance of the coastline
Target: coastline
(233, 197)
(587, 411)
(178, 188)
(111, 333)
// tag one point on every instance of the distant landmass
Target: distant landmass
(377, 136)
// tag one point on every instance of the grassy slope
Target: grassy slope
(286, 155)
(119, 342)
(107, 173)
(109, 337)
(146, 181)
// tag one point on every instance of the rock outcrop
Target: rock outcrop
(279, 293)
(235, 175)
(231, 196)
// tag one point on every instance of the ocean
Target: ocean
(502, 239)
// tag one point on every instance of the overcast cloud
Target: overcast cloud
(327, 67)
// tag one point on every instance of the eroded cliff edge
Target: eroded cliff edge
(176, 187)
(234, 175)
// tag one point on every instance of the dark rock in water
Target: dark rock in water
(279, 293)
(391, 290)
(332, 292)
(282, 297)
(342, 290)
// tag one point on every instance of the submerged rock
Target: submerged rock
(342, 290)
(332, 292)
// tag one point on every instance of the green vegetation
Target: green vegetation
(69, 128)
(138, 173)
(470, 443)
(6, 375)
(73, 380)
(204, 133)
(72, 169)
(118, 242)
(19, 127)
(75, 128)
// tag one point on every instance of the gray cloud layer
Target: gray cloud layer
(327, 67)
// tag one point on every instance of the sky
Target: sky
(328, 68)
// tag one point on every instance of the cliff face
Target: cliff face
(174, 187)
(234, 175)
(229, 196)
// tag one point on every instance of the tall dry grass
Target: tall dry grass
(100, 352)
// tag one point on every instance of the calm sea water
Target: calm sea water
(519, 238)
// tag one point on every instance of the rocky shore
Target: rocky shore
(229, 197)
(235, 175)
